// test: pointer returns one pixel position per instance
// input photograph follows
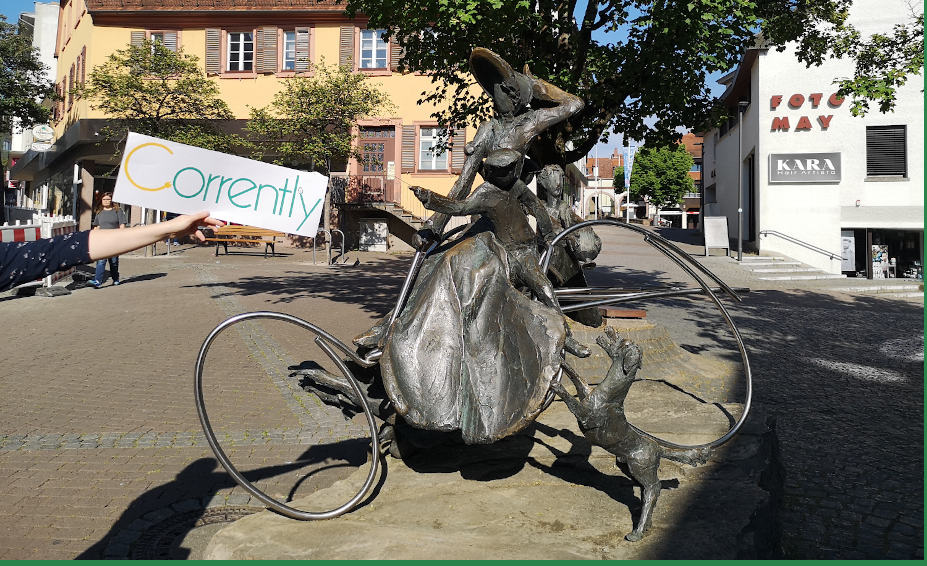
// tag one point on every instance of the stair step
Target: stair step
(762, 258)
(786, 270)
(878, 289)
(802, 277)
(769, 263)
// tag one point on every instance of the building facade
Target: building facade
(837, 192)
(249, 49)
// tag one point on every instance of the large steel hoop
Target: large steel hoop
(322, 339)
(682, 259)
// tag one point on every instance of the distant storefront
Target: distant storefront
(841, 193)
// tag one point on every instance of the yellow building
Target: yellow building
(250, 48)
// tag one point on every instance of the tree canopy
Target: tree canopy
(153, 90)
(24, 80)
(312, 120)
(661, 174)
(619, 178)
(659, 69)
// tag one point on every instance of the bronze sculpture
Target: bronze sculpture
(600, 414)
(467, 352)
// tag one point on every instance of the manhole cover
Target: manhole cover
(163, 540)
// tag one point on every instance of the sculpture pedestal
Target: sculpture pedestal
(545, 493)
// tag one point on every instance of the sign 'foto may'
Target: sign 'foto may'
(179, 178)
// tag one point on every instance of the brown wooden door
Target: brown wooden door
(378, 149)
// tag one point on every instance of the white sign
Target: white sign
(179, 178)
(43, 133)
(36, 146)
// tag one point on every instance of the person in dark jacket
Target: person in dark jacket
(22, 262)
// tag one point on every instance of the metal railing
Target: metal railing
(377, 189)
(788, 238)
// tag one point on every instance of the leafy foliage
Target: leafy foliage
(660, 69)
(661, 174)
(24, 81)
(312, 120)
(152, 90)
(619, 178)
(883, 64)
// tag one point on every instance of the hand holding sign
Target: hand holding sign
(170, 176)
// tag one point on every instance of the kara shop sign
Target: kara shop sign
(799, 102)
(170, 176)
(804, 167)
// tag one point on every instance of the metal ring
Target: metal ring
(677, 255)
(322, 339)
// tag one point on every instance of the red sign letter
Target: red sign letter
(796, 101)
(825, 120)
(803, 123)
(815, 98)
(835, 100)
(775, 101)
(780, 123)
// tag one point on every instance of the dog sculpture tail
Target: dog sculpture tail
(692, 457)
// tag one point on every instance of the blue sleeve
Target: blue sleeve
(22, 262)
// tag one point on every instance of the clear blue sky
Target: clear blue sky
(12, 8)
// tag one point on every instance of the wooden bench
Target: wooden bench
(246, 234)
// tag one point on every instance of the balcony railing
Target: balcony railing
(376, 190)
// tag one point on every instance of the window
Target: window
(166, 38)
(240, 51)
(428, 159)
(696, 167)
(289, 50)
(374, 49)
(886, 154)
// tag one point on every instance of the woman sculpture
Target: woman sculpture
(468, 351)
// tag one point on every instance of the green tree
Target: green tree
(24, 81)
(313, 119)
(883, 64)
(152, 90)
(662, 175)
(619, 179)
(660, 69)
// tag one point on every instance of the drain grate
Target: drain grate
(157, 542)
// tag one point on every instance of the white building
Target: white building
(818, 183)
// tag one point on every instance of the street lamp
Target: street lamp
(741, 108)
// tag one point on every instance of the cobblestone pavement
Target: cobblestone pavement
(99, 438)
(844, 377)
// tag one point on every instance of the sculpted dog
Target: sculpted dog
(600, 413)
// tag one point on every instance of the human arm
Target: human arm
(471, 205)
(476, 150)
(109, 243)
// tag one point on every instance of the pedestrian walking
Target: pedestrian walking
(107, 216)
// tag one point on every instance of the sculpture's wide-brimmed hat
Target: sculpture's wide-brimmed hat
(490, 69)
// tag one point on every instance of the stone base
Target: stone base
(545, 493)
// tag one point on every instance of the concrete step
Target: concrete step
(752, 258)
(770, 263)
(894, 289)
(786, 270)
(801, 277)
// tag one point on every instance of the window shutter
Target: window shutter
(213, 47)
(302, 49)
(269, 49)
(170, 40)
(83, 64)
(396, 53)
(71, 88)
(458, 141)
(259, 50)
(408, 149)
(886, 154)
(138, 38)
(346, 51)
